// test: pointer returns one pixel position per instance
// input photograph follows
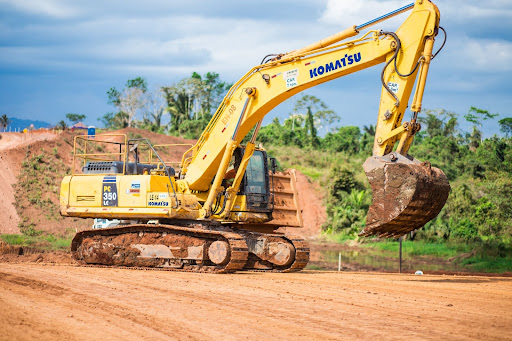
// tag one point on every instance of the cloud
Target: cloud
(156, 46)
(50, 8)
(464, 10)
(348, 12)
(487, 55)
(475, 55)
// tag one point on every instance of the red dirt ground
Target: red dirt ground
(64, 302)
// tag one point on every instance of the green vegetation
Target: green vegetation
(62, 125)
(421, 248)
(44, 242)
(39, 186)
(489, 264)
(478, 259)
(75, 118)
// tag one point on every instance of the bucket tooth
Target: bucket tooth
(407, 194)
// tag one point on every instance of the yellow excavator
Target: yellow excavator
(216, 212)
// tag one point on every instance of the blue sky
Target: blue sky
(62, 56)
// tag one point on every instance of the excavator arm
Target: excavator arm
(406, 55)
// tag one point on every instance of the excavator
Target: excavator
(218, 211)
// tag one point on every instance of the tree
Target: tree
(130, 100)
(477, 117)
(475, 138)
(62, 125)
(113, 97)
(4, 121)
(139, 83)
(296, 120)
(505, 126)
(193, 98)
(75, 118)
(344, 139)
(311, 130)
(112, 120)
(155, 110)
(178, 105)
(213, 89)
(440, 122)
(370, 130)
(324, 117)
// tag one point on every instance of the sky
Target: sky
(61, 56)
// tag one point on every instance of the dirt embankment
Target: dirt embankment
(311, 201)
(11, 156)
(37, 202)
(74, 303)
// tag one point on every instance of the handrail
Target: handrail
(169, 145)
(93, 156)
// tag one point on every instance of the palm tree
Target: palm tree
(4, 121)
(179, 105)
(157, 118)
(370, 130)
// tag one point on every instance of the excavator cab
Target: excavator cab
(256, 181)
(255, 184)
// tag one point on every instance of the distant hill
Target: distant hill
(19, 124)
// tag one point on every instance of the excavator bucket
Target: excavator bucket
(407, 194)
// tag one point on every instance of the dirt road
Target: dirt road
(74, 303)
(11, 140)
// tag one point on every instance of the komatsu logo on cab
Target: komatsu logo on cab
(347, 60)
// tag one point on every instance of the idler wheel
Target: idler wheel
(280, 253)
(218, 252)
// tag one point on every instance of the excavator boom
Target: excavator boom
(406, 55)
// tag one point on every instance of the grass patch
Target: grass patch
(17, 239)
(420, 248)
(314, 267)
(337, 238)
(42, 241)
(488, 264)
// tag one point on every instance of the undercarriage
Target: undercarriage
(196, 247)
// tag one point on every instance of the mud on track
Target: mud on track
(40, 301)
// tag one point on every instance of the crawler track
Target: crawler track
(177, 248)
(115, 255)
